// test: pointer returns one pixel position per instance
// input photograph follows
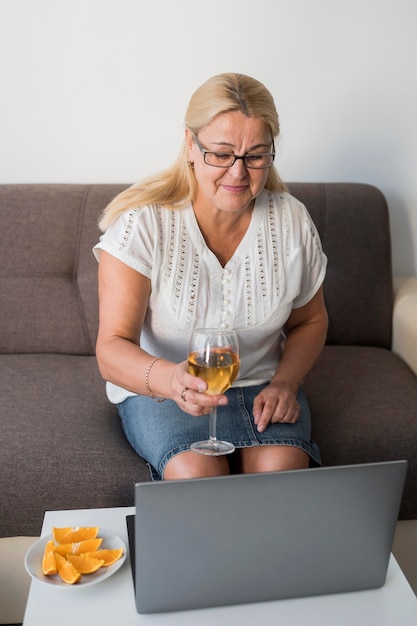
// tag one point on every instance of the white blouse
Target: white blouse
(279, 265)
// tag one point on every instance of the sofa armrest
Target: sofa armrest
(404, 337)
(14, 579)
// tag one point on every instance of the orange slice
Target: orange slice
(66, 570)
(74, 534)
(108, 556)
(48, 560)
(84, 564)
(81, 547)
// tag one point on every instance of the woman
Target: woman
(215, 241)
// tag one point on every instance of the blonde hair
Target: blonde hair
(176, 187)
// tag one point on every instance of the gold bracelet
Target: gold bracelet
(148, 389)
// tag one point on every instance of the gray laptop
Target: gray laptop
(258, 537)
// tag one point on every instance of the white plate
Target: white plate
(33, 562)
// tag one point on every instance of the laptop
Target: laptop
(258, 537)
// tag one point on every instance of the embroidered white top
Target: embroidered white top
(278, 265)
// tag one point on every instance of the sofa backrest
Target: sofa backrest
(48, 275)
(353, 223)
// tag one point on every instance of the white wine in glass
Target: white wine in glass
(214, 356)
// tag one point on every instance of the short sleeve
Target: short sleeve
(313, 259)
(131, 238)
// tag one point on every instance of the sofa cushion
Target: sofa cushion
(48, 275)
(363, 402)
(353, 223)
(62, 445)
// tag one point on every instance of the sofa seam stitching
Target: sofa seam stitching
(77, 250)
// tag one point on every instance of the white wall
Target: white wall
(95, 90)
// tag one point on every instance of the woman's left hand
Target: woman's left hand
(276, 403)
(306, 330)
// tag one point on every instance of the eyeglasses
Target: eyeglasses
(221, 159)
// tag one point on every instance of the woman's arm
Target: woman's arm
(306, 333)
(123, 303)
(123, 300)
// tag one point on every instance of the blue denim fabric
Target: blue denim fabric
(157, 431)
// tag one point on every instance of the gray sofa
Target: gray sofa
(61, 443)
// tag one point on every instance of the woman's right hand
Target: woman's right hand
(188, 391)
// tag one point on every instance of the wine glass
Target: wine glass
(214, 356)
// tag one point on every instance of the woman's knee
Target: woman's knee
(273, 459)
(190, 464)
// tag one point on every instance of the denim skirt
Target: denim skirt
(158, 431)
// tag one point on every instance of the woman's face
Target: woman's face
(230, 189)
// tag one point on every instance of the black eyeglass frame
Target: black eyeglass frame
(204, 152)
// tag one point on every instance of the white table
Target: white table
(112, 601)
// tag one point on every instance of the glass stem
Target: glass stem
(213, 423)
